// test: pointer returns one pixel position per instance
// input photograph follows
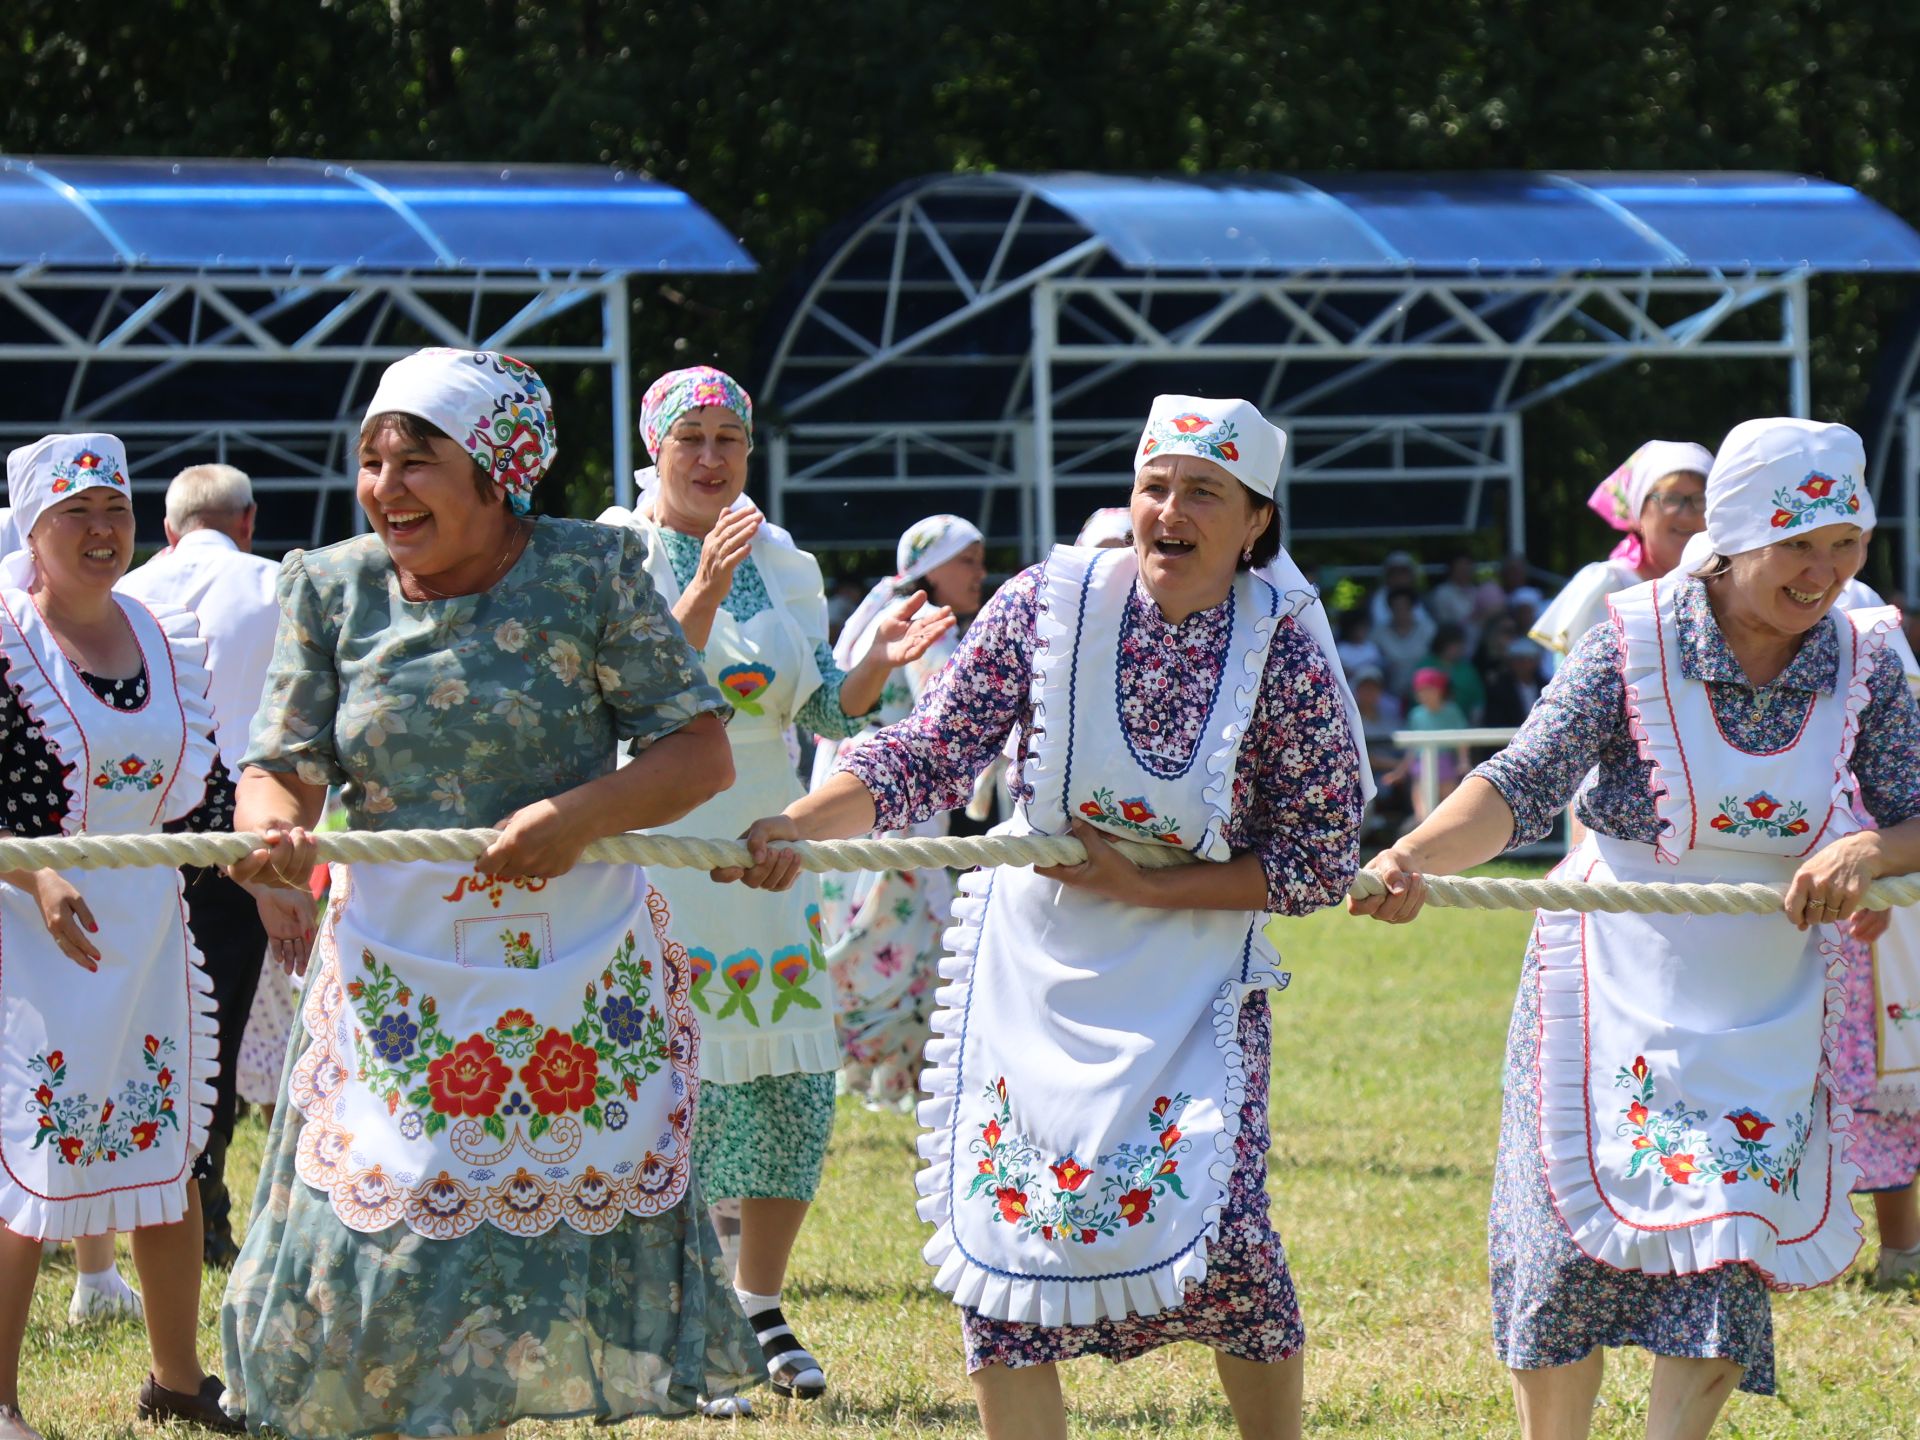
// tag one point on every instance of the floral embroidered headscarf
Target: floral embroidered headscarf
(495, 408)
(52, 469)
(1231, 433)
(695, 388)
(1780, 479)
(1621, 497)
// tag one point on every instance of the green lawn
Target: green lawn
(1385, 1107)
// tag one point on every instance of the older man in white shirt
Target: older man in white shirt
(207, 568)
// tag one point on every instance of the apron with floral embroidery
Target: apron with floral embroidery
(761, 991)
(1085, 1073)
(106, 1079)
(1686, 1119)
(515, 1053)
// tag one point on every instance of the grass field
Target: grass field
(1385, 1107)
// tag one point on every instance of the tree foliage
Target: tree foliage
(783, 119)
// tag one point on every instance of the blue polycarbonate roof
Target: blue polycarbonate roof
(304, 215)
(1495, 222)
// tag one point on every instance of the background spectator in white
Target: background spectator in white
(1403, 640)
(207, 568)
(1399, 571)
(1355, 645)
(1455, 599)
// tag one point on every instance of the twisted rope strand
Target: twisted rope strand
(362, 847)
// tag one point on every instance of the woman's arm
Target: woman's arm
(281, 808)
(901, 635)
(672, 777)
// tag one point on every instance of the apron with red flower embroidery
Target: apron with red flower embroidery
(106, 1079)
(1085, 1073)
(1686, 1120)
(515, 1053)
(761, 990)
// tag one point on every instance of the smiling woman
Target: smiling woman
(105, 729)
(452, 1098)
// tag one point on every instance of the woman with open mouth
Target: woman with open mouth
(1098, 1127)
(1670, 1150)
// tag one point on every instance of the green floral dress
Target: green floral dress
(455, 713)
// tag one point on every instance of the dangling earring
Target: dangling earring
(1247, 554)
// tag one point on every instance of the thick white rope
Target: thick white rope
(361, 847)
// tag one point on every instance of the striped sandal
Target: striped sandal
(792, 1372)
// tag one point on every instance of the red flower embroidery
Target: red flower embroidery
(1190, 424)
(1160, 1108)
(991, 1134)
(1013, 1203)
(561, 1074)
(514, 1020)
(1782, 519)
(1636, 1113)
(152, 1045)
(1894, 1011)
(1134, 1205)
(1137, 810)
(1640, 1070)
(1070, 1174)
(1171, 838)
(144, 1134)
(44, 1095)
(1750, 1124)
(1816, 486)
(469, 1079)
(1721, 822)
(1091, 810)
(986, 1167)
(1169, 1167)
(1641, 1142)
(72, 1145)
(1796, 827)
(57, 1058)
(1087, 1237)
(1853, 504)
(164, 1078)
(1729, 1177)
(1762, 806)
(1168, 1136)
(1229, 450)
(1680, 1168)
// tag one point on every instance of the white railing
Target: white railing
(1480, 737)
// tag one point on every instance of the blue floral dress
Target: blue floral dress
(1296, 805)
(1551, 1303)
(457, 713)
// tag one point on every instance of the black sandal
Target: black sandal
(792, 1373)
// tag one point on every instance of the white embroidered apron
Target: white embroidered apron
(106, 1079)
(1086, 1073)
(761, 991)
(1686, 1119)
(517, 1053)
(1896, 1014)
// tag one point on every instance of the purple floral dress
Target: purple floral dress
(1551, 1303)
(1296, 804)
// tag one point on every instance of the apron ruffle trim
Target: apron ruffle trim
(1800, 1264)
(136, 1206)
(187, 648)
(1058, 1301)
(735, 1060)
(1650, 722)
(1057, 639)
(45, 708)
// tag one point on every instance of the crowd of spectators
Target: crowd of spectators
(1448, 656)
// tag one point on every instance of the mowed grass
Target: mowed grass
(1385, 1108)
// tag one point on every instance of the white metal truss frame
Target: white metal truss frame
(158, 323)
(955, 272)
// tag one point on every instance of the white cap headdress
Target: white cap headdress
(1780, 479)
(1111, 526)
(493, 406)
(1231, 433)
(52, 469)
(925, 546)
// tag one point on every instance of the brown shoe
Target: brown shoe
(13, 1425)
(157, 1403)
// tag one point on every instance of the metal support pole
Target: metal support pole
(1516, 491)
(777, 462)
(617, 313)
(1910, 508)
(1045, 317)
(1800, 366)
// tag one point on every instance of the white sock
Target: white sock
(754, 1304)
(106, 1282)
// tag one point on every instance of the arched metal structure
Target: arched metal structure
(242, 310)
(983, 342)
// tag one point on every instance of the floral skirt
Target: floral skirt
(1246, 1307)
(330, 1332)
(1886, 1147)
(264, 1046)
(764, 1140)
(1552, 1305)
(885, 963)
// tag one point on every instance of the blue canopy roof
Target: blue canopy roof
(302, 215)
(1496, 222)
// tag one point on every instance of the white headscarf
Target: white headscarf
(52, 469)
(924, 547)
(493, 406)
(1231, 433)
(1112, 526)
(1779, 479)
